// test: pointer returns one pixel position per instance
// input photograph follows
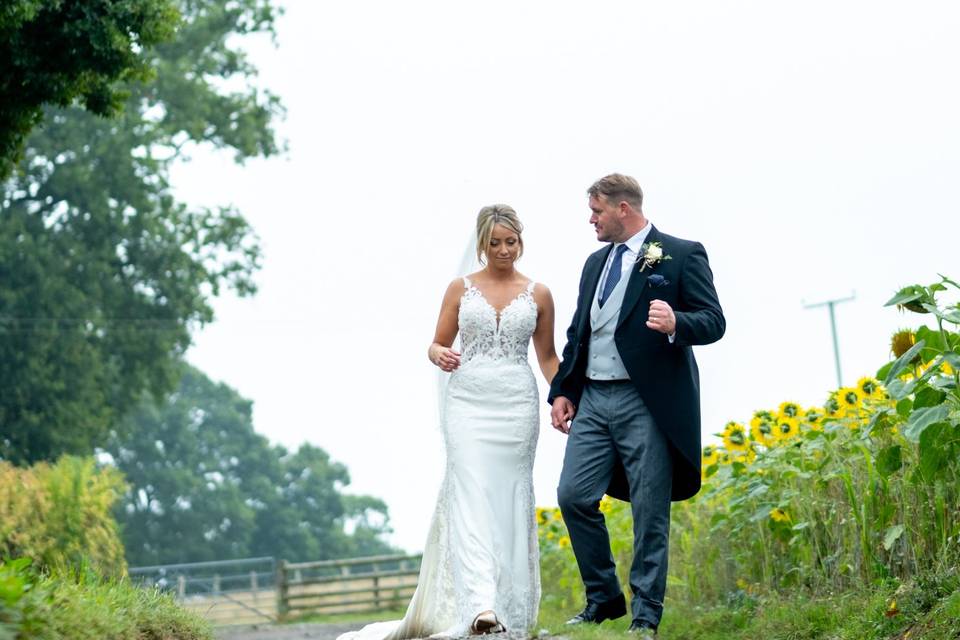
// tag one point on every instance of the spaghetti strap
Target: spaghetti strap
(531, 286)
(466, 282)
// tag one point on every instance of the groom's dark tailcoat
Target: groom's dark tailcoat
(664, 374)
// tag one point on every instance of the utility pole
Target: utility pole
(830, 304)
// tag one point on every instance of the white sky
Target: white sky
(813, 148)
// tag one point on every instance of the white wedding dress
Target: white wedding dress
(481, 553)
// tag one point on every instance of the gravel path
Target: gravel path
(286, 631)
(318, 632)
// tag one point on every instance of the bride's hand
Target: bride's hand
(444, 357)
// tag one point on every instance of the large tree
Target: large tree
(53, 52)
(103, 273)
(204, 485)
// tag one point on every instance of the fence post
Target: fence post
(216, 583)
(181, 586)
(283, 602)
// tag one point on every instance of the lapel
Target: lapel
(638, 280)
(591, 278)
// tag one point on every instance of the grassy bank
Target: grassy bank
(83, 606)
(925, 609)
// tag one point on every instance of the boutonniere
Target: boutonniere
(651, 253)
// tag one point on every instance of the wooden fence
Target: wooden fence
(358, 585)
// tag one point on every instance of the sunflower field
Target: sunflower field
(864, 489)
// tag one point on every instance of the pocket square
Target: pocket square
(657, 280)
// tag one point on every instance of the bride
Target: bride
(480, 569)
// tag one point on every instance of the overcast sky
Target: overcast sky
(813, 148)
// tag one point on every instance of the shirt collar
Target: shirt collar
(636, 241)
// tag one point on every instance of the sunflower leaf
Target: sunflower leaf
(948, 280)
(901, 363)
(907, 294)
(904, 406)
(920, 419)
(891, 535)
(899, 390)
(889, 461)
(928, 397)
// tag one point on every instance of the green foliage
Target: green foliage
(205, 486)
(861, 503)
(61, 515)
(103, 274)
(84, 606)
(923, 609)
(55, 52)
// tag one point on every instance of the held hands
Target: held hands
(444, 357)
(562, 413)
(662, 318)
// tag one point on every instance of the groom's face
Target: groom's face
(605, 218)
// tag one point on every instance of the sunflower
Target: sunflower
(849, 400)
(761, 428)
(747, 456)
(564, 542)
(735, 437)
(870, 388)
(901, 342)
(606, 504)
(813, 419)
(789, 409)
(541, 515)
(947, 369)
(831, 407)
(779, 515)
(710, 456)
(787, 428)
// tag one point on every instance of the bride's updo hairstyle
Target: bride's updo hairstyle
(491, 216)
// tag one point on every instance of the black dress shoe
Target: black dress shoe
(597, 612)
(643, 629)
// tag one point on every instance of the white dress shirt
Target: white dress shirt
(634, 244)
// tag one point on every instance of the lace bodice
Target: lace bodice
(487, 335)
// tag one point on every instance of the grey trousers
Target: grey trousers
(612, 421)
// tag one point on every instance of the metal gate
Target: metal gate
(224, 592)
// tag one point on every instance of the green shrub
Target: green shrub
(60, 515)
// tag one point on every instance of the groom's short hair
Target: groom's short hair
(617, 187)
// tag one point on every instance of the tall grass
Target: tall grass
(85, 606)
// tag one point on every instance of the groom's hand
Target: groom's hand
(562, 413)
(661, 318)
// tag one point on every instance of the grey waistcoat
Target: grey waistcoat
(603, 359)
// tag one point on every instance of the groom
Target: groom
(629, 384)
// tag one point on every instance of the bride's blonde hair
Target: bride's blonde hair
(490, 216)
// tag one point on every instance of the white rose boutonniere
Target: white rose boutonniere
(651, 253)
